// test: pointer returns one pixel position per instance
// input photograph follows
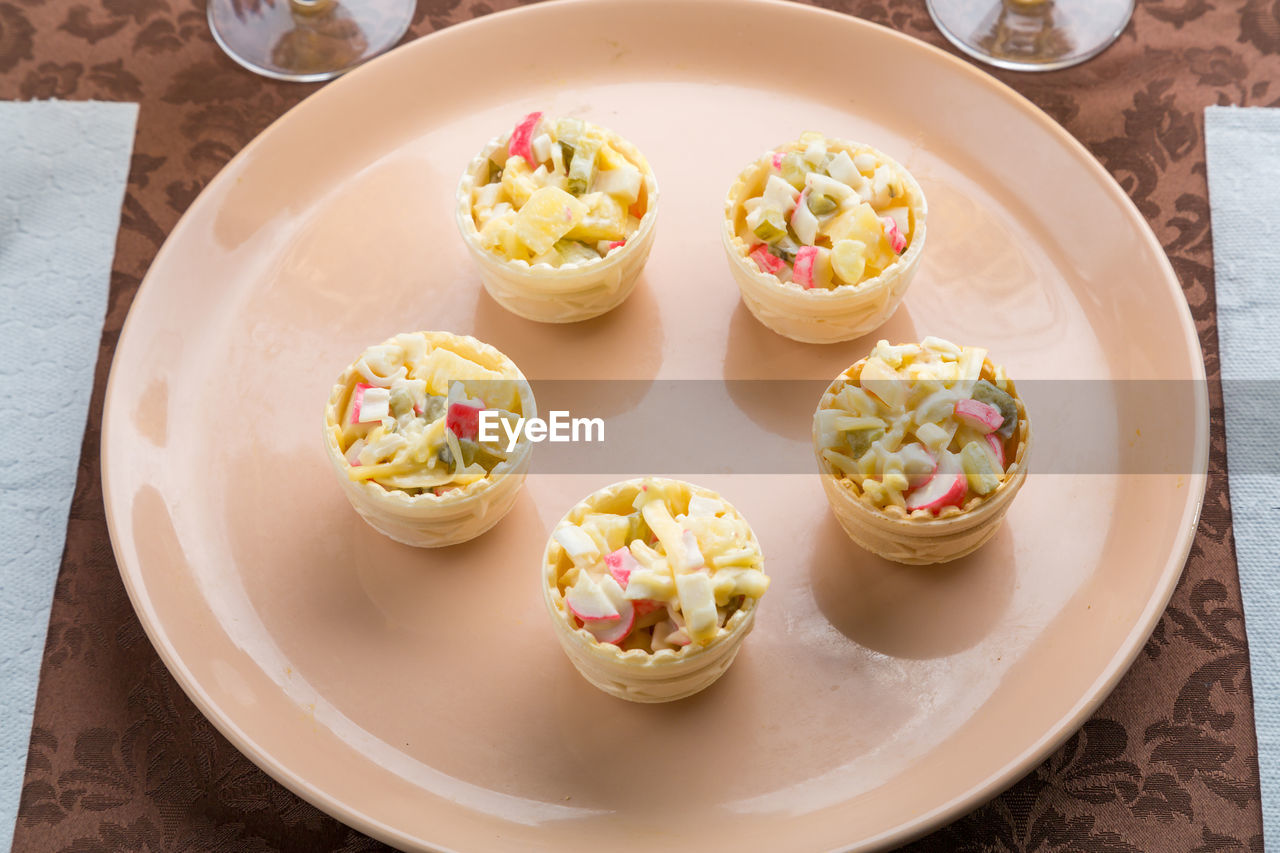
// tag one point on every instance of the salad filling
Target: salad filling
(412, 416)
(667, 571)
(922, 426)
(560, 191)
(828, 214)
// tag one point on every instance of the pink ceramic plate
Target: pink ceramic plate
(420, 695)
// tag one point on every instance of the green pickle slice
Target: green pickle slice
(821, 204)
(772, 227)
(473, 452)
(985, 392)
(583, 167)
(860, 440)
(783, 251)
(435, 407)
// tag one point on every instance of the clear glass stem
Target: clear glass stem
(307, 40)
(1031, 35)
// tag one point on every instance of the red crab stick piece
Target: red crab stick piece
(985, 419)
(768, 263)
(945, 488)
(613, 630)
(802, 272)
(645, 606)
(621, 564)
(803, 222)
(371, 404)
(997, 448)
(777, 160)
(357, 400)
(463, 419)
(891, 233)
(521, 142)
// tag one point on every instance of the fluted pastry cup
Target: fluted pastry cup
(921, 538)
(428, 520)
(638, 675)
(570, 292)
(817, 315)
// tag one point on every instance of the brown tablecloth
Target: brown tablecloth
(121, 760)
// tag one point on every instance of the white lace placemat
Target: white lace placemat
(63, 168)
(1243, 153)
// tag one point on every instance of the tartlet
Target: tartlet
(559, 215)
(823, 237)
(652, 585)
(921, 449)
(405, 431)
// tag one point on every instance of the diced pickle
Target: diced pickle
(495, 172)
(473, 452)
(435, 408)
(583, 167)
(821, 204)
(401, 401)
(638, 528)
(566, 151)
(445, 455)
(772, 227)
(785, 250)
(574, 251)
(580, 172)
(794, 169)
(985, 392)
(860, 440)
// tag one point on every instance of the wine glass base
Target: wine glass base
(1031, 35)
(307, 40)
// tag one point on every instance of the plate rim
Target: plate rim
(978, 793)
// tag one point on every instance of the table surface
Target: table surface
(121, 760)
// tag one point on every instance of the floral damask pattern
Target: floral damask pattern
(1260, 25)
(51, 80)
(121, 760)
(15, 36)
